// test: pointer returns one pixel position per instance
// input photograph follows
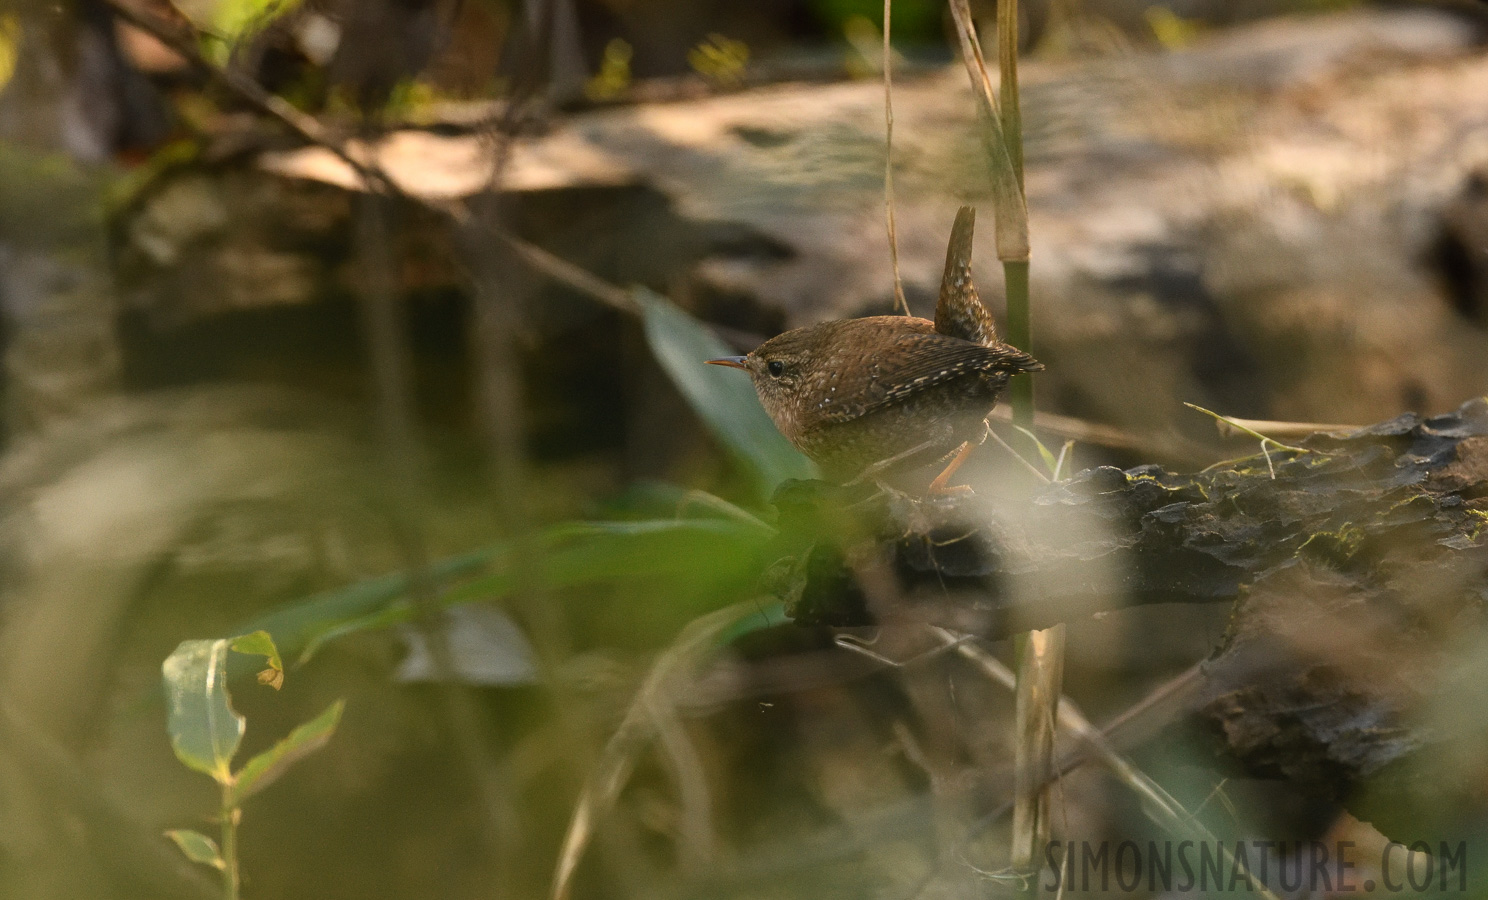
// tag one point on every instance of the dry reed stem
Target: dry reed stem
(1039, 685)
(900, 301)
(1164, 809)
(1145, 717)
(1011, 210)
(1230, 426)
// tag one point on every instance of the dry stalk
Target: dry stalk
(900, 301)
(1165, 810)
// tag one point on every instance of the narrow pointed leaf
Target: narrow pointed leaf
(1048, 457)
(723, 398)
(263, 769)
(204, 729)
(716, 551)
(296, 624)
(260, 644)
(198, 847)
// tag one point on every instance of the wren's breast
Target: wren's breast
(938, 419)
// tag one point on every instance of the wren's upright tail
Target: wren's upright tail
(959, 312)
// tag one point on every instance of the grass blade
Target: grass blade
(263, 769)
(711, 553)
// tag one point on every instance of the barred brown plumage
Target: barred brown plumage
(890, 392)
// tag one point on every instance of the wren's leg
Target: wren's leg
(941, 483)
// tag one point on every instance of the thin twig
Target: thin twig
(719, 505)
(1160, 805)
(1235, 424)
(1064, 453)
(1229, 426)
(1018, 456)
(900, 301)
(1152, 710)
(696, 842)
(310, 130)
(184, 43)
(1038, 695)
(1089, 432)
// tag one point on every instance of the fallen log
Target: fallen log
(1356, 563)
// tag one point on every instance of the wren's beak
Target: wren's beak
(735, 362)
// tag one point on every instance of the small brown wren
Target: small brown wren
(866, 397)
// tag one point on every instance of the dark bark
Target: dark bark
(1358, 574)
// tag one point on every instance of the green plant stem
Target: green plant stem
(1015, 270)
(230, 816)
(1020, 335)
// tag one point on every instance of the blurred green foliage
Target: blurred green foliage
(9, 30)
(913, 21)
(702, 554)
(613, 76)
(720, 59)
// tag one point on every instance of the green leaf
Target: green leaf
(706, 551)
(395, 613)
(265, 768)
(700, 550)
(229, 22)
(259, 643)
(723, 398)
(296, 625)
(236, 19)
(198, 847)
(204, 729)
(1050, 462)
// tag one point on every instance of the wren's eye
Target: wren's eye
(776, 368)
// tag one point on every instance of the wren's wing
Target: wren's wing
(919, 361)
(959, 312)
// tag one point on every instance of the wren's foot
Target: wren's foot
(941, 483)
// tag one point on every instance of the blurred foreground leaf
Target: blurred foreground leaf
(198, 847)
(298, 627)
(10, 33)
(230, 22)
(587, 552)
(701, 553)
(265, 768)
(723, 399)
(204, 729)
